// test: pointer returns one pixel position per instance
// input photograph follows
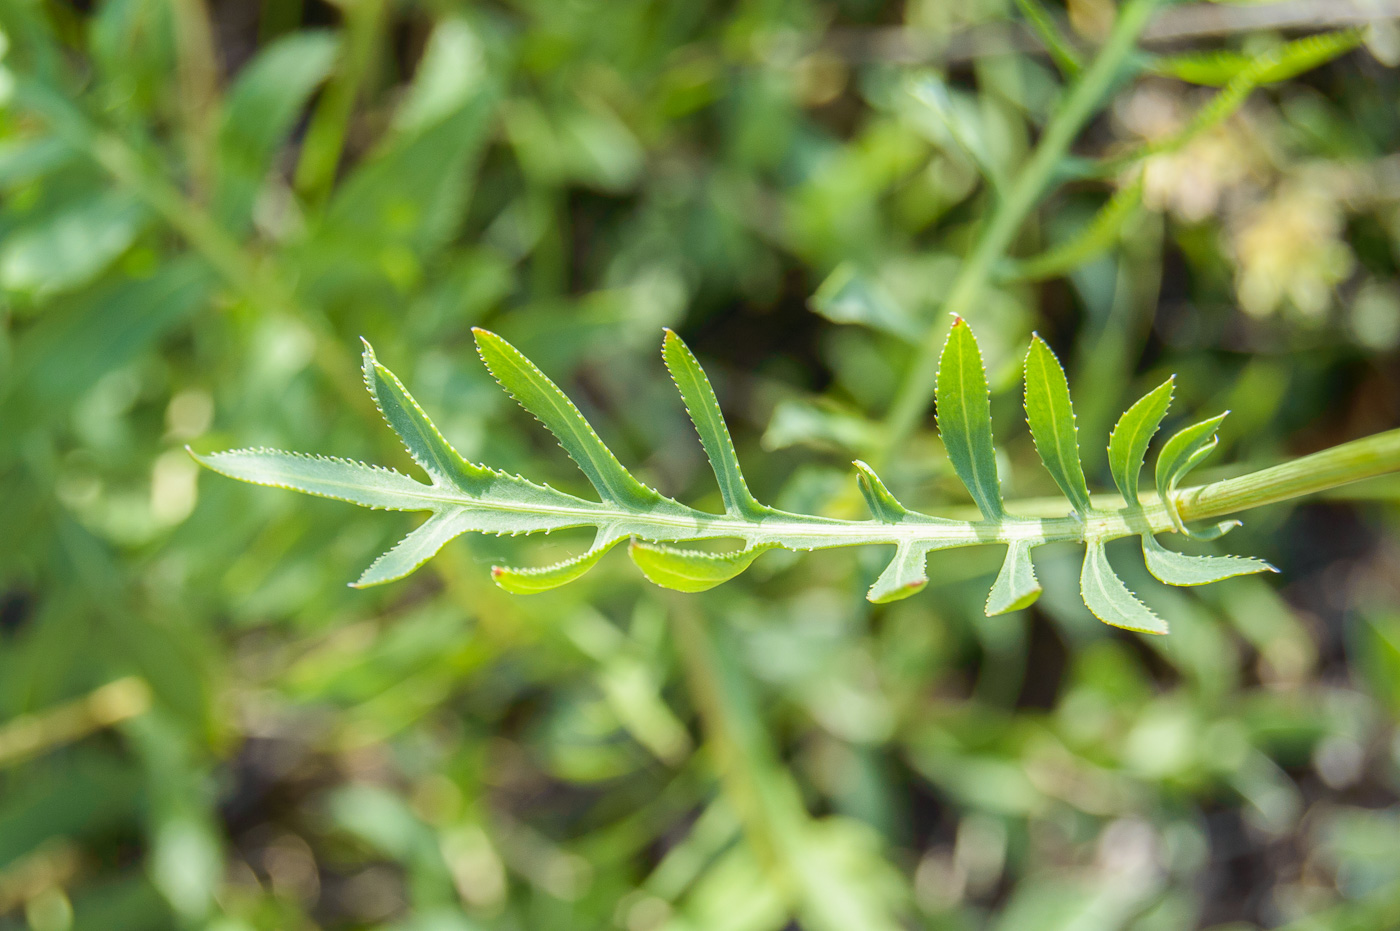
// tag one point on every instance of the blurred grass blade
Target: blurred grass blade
(965, 418)
(1290, 59)
(260, 110)
(685, 570)
(1066, 57)
(28, 159)
(1106, 595)
(61, 251)
(1127, 444)
(703, 408)
(883, 505)
(542, 398)
(1180, 569)
(1179, 456)
(324, 476)
(1016, 586)
(1095, 238)
(29, 734)
(519, 581)
(1236, 91)
(850, 296)
(1050, 414)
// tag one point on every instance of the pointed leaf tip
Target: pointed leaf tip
(964, 413)
(1106, 595)
(905, 575)
(1127, 444)
(1175, 568)
(1050, 413)
(1016, 586)
(416, 430)
(1180, 454)
(541, 397)
(883, 505)
(702, 405)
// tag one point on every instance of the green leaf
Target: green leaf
(260, 110)
(1066, 57)
(1051, 417)
(533, 581)
(1095, 238)
(1182, 453)
(882, 504)
(366, 485)
(419, 435)
(1127, 444)
(905, 575)
(685, 570)
(1016, 586)
(1180, 569)
(452, 68)
(703, 408)
(965, 418)
(415, 549)
(848, 296)
(1272, 65)
(1280, 63)
(24, 160)
(65, 250)
(542, 398)
(1106, 595)
(954, 120)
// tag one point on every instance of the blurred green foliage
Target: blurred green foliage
(204, 202)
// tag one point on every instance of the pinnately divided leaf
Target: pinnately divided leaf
(463, 496)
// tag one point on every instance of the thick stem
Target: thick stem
(918, 387)
(1340, 465)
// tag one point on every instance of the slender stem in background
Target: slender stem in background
(761, 790)
(916, 391)
(325, 137)
(198, 73)
(29, 734)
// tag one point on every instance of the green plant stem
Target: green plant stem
(198, 72)
(325, 137)
(1340, 465)
(744, 761)
(769, 803)
(917, 389)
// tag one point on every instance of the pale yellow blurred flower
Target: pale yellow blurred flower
(1288, 251)
(1192, 183)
